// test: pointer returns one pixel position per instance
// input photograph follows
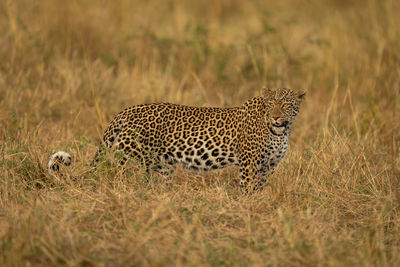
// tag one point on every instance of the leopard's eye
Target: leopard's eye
(285, 106)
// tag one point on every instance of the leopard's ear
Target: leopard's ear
(300, 94)
(266, 92)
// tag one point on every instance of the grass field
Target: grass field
(67, 67)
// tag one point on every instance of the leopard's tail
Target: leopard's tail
(56, 159)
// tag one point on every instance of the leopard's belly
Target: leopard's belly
(199, 159)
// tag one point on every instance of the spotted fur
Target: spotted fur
(254, 136)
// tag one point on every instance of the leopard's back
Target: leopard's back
(198, 138)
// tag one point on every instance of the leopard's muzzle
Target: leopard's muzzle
(279, 126)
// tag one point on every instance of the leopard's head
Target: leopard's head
(283, 105)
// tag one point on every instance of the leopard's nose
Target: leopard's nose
(275, 118)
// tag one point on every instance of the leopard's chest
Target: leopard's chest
(274, 151)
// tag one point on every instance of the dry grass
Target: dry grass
(67, 67)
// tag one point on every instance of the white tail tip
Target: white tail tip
(57, 158)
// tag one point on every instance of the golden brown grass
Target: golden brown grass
(67, 67)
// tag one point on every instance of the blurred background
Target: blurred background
(84, 61)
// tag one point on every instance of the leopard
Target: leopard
(160, 136)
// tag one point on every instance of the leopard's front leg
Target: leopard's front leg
(250, 173)
(267, 168)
